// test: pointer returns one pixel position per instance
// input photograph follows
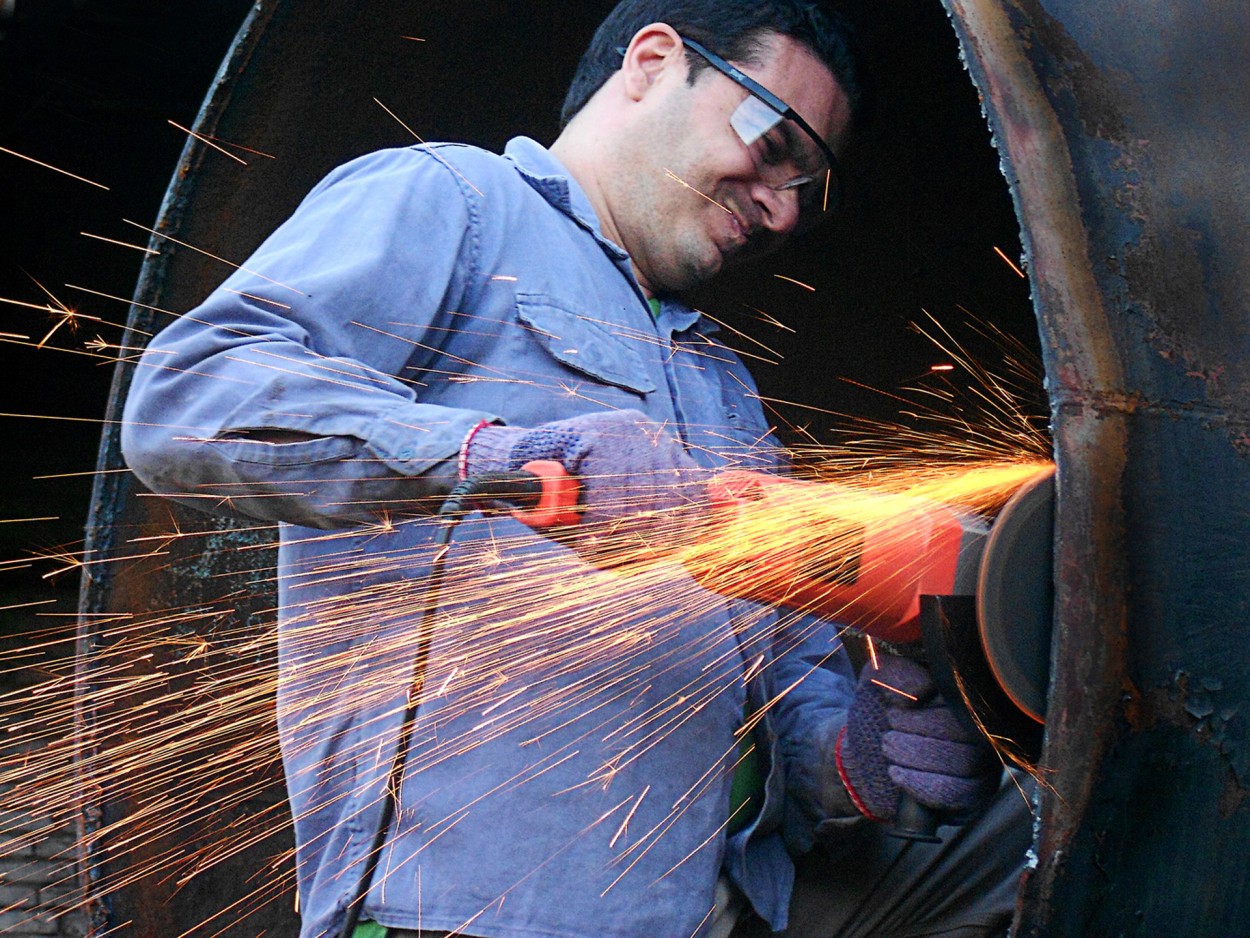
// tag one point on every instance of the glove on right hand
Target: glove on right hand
(911, 741)
(631, 470)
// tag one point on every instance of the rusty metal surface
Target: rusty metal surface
(1123, 129)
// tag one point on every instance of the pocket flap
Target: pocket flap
(583, 345)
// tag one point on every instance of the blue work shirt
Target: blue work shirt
(570, 767)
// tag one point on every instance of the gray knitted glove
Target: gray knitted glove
(904, 737)
(632, 471)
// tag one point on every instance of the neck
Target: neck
(585, 164)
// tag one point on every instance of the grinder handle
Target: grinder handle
(551, 500)
(915, 821)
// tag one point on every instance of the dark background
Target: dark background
(87, 86)
(90, 86)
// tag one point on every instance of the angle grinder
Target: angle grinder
(974, 592)
(970, 595)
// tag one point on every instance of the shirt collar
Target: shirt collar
(548, 177)
(682, 318)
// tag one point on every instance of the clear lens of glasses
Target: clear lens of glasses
(781, 159)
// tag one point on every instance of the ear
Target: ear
(654, 51)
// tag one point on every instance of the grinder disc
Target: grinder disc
(1016, 594)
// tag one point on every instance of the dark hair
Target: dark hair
(734, 29)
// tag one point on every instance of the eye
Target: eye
(775, 151)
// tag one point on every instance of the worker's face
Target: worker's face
(696, 199)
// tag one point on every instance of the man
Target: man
(593, 752)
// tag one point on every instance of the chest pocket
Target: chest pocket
(729, 428)
(583, 346)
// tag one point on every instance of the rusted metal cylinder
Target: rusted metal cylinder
(1123, 133)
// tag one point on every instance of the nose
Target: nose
(778, 209)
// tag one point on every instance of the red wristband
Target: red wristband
(463, 461)
(846, 782)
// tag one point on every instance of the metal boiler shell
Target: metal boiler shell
(1123, 129)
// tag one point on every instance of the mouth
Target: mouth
(739, 229)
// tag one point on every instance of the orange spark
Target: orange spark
(673, 176)
(1010, 263)
(891, 687)
(192, 247)
(771, 320)
(208, 143)
(239, 146)
(136, 247)
(259, 299)
(417, 137)
(92, 472)
(56, 169)
(800, 283)
(399, 121)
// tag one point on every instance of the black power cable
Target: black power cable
(508, 489)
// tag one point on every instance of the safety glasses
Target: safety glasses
(788, 154)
